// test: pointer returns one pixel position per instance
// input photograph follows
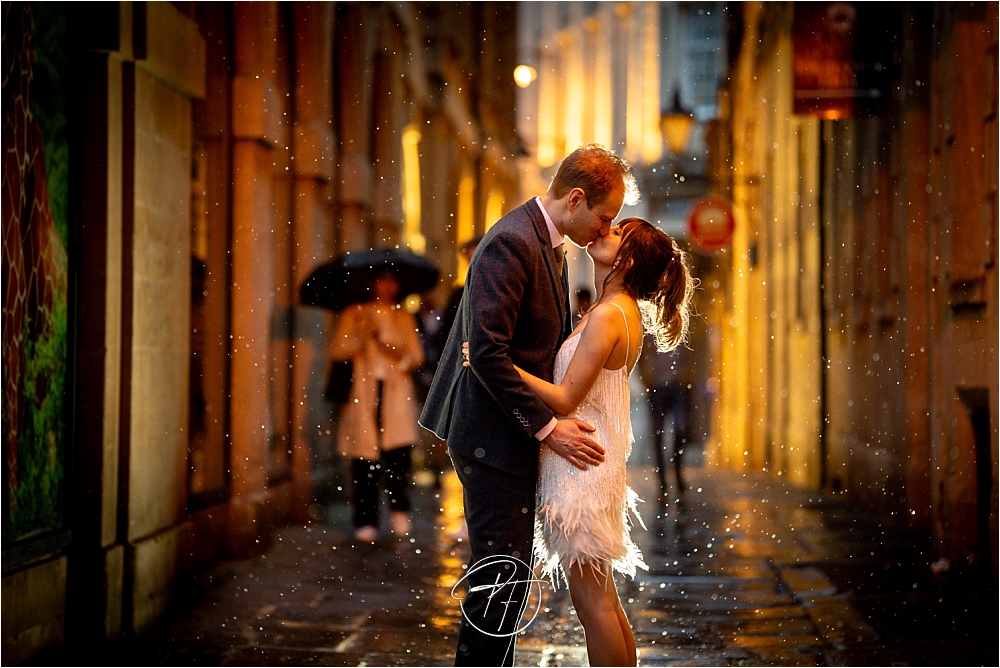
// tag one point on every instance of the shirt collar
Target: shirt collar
(554, 236)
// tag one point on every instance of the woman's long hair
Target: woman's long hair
(657, 274)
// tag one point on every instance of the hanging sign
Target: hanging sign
(841, 58)
(710, 224)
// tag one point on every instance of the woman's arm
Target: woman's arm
(602, 332)
(353, 329)
(554, 396)
(412, 355)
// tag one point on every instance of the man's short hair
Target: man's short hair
(596, 171)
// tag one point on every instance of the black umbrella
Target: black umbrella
(348, 279)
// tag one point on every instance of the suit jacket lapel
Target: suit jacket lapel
(559, 280)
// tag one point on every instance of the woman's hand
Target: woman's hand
(354, 328)
(465, 354)
(389, 349)
(364, 323)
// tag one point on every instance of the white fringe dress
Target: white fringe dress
(583, 516)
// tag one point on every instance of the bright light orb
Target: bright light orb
(524, 75)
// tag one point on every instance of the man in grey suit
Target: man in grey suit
(515, 311)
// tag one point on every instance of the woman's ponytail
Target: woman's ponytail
(658, 275)
(672, 302)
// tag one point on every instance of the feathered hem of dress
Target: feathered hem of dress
(569, 536)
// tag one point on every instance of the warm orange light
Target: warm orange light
(411, 189)
(677, 124)
(524, 75)
(652, 140)
(466, 209)
(546, 152)
(466, 222)
(677, 131)
(494, 208)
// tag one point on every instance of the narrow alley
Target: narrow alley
(237, 238)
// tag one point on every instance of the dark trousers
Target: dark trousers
(669, 401)
(500, 513)
(393, 471)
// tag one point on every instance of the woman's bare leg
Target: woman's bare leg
(596, 601)
(626, 633)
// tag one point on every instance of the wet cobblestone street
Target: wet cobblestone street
(742, 571)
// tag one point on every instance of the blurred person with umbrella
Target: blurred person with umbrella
(378, 425)
(437, 455)
(350, 278)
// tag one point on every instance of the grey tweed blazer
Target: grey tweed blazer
(514, 310)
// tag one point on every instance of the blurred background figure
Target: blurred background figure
(584, 300)
(436, 450)
(429, 317)
(668, 379)
(437, 453)
(465, 253)
(431, 458)
(378, 426)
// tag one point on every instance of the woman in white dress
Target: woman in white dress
(582, 524)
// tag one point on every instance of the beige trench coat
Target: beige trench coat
(381, 342)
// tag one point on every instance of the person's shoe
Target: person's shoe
(366, 534)
(401, 524)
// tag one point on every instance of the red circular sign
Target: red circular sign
(710, 224)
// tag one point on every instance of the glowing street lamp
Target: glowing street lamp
(524, 75)
(677, 123)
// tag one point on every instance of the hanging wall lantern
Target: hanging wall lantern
(677, 123)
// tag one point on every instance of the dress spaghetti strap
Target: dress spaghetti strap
(628, 337)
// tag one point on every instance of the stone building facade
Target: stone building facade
(217, 152)
(856, 334)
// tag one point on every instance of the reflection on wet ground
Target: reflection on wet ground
(743, 571)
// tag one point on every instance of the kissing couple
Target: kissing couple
(536, 416)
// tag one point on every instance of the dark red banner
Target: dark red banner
(842, 58)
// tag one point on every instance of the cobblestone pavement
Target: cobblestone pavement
(743, 571)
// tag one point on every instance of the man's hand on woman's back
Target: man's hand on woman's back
(570, 440)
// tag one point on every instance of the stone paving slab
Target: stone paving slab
(806, 581)
(767, 627)
(840, 623)
(285, 656)
(550, 653)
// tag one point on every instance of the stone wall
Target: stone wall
(223, 151)
(858, 349)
